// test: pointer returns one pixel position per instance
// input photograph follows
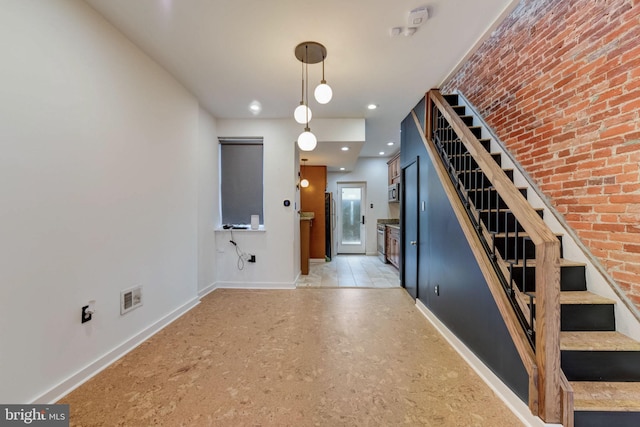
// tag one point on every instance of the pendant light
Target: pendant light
(323, 92)
(308, 53)
(304, 183)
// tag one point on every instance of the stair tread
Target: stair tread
(491, 186)
(597, 341)
(521, 234)
(606, 396)
(580, 297)
(502, 211)
(563, 263)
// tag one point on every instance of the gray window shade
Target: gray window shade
(241, 180)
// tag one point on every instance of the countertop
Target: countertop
(304, 216)
(388, 221)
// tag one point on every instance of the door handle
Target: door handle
(363, 219)
(413, 243)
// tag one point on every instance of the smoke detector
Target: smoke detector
(417, 17)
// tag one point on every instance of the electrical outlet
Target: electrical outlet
(436, 289)
(86, 315)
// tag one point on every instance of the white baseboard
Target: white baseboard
(255, 285)
(89, 371)
(513, 402)
(207, 290)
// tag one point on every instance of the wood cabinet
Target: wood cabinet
(305, 233)
(393, 245)
(394, 169)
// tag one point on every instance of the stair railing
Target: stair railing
(549, 396)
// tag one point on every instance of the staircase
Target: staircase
(601, 365)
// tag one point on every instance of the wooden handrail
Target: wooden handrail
(547, 248)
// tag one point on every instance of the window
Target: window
(241, 186)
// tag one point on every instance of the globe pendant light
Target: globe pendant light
(323, 92)
(302, 113)
(307, 141)
(304, 183)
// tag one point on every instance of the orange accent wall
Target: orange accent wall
(312, 200)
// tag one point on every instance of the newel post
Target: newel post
(548, 331)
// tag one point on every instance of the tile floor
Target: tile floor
(350, 271)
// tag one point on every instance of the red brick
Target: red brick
(618, 130)
(628, 147)
(632, 248)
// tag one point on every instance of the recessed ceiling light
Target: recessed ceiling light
(381, 153)
(255, 107)
(345, 148)
(372, 106)
(390, 143)
(341, 169)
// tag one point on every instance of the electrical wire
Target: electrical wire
(241, 255)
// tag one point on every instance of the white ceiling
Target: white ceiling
(231, 52)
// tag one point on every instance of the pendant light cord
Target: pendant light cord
(302, 83)
(306, 111)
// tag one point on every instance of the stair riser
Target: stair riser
(608, 419)
(468, 120)
(475, 179)
(452, 99)
(615, 366)
(572, 278)
(466, 162)
(449, 140)
(488, 199)
(509, 250)
(587, 317)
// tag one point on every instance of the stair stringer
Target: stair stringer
(598, 280)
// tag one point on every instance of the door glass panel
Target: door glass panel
(351, 216)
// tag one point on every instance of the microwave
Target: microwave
(394, 193)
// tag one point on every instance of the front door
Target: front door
(351, 219)
(410, 228)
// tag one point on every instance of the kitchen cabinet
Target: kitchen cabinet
(305, 233)
(394, 169)
(393, 245)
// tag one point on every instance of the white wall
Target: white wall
(98, 192)
(277, 249)
(208, 200)
(373, 171)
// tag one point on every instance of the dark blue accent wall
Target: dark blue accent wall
(465, 304)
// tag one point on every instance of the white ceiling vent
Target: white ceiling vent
(130, 299)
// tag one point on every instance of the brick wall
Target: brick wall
(559, 82)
